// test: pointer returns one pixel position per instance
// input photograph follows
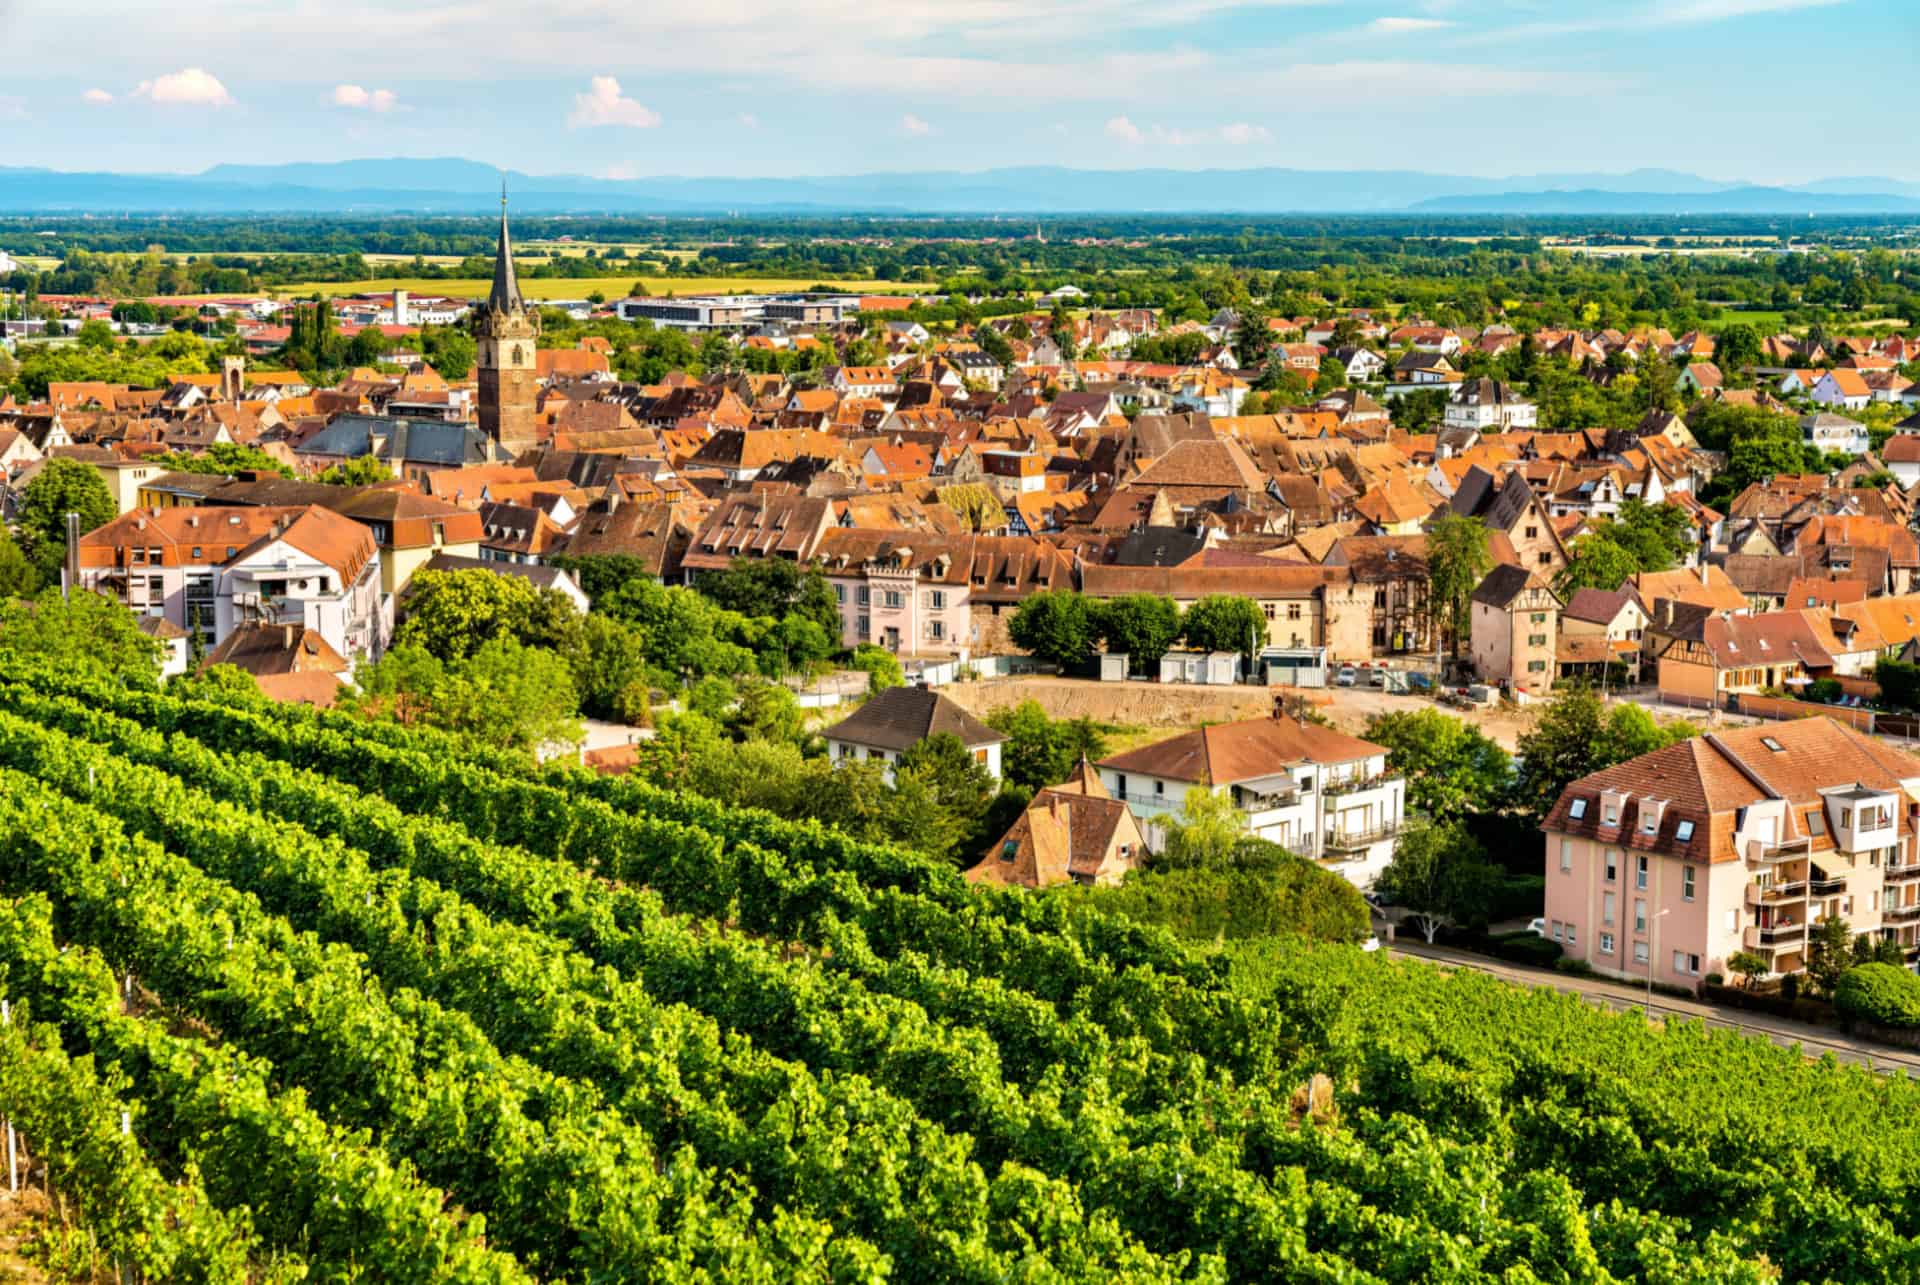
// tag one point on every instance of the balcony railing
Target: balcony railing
(1757, 937)
(1352, 785)
(1248, 801)
(1136, 799)
(1352, 840)
(1789, 850)
(1906, 870)
(1901, 914)
(1827, 887)
(1774, 894)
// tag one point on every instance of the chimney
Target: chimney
(286, 637)
(1703, 573)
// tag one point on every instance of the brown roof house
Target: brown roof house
(1319, 793)
(1071, 832)
(899, 718)
(1516, 626)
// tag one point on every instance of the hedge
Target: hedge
(1880, 993)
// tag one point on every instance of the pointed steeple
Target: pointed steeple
(505, 296)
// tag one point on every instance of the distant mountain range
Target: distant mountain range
(455, 186)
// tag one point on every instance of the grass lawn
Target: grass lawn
(581, 287)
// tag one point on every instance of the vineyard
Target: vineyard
(293, 996)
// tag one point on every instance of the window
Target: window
(1546, 559)
(1539, 618)
(1611, 816)
(1577, 809)
(1533, 533)
(1159, 788)
(1266, 609)
(936, 630)
(1606, 943)
(863, 596)
(1685, 964)
(1640, 914)
(1771, 744)
(1557, 929)
(1683, 833)
(1569, 934)
(1649, 819)
(139, 557)
(1010, 849)
(939, 600)
(1613, 865)
(196, 553)
(1536, 667)
(894, 598)
(1120, 786)
(1686, 883)
(1732, 920)
(1640, 873)
(1606, 907)
(1640, 955)
(1536, 640)
(840, 594)
(1566, 855)
(863, 627)
(1293, 611)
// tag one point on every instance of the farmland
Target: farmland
(538, 288)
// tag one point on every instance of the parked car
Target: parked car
(1372, 943)
(1347, 677)
(1418, 680)
(1376, 678)
(1538, 927)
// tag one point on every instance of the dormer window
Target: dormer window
(1611, 816)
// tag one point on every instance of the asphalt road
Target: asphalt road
(1814, 1041)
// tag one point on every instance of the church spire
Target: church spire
(505, 296)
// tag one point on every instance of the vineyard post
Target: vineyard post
(13, 1170)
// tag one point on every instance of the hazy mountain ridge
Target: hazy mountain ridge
(457, 185)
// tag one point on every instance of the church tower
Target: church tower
(506, 333)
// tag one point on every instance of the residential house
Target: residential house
(1515, 627)
(1319, 793)
(1074, 832)
(1616, 618)
(1661, 868)
(896, 720)
(1489, 406)
(1825, 431)
(1843, 388)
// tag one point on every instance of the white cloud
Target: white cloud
(353, 96)
(98, 97)
(1405, 26)
(749, 120)
(192, 87)
(603, 104)
(1237, 134)
(912, 124)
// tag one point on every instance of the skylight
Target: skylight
(1577, 809)
(1772, 744)
(1684, 832)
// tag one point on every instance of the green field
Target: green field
(581, 287)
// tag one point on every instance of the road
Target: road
(1603, 993)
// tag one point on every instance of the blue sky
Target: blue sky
(1760, 90)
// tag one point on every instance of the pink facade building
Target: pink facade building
(1668, 864)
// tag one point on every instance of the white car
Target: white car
(1371, 944)
(1347, 677)
(1538, 928)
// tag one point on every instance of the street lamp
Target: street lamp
(1650, 935)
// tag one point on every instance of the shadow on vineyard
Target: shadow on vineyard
(407, 1011)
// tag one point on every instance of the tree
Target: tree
(18, 576)
(80, 630)
(611, 671)
(362, 470)
(1057, 625)
(62, 486)
(453, 613)
(1225, 622)
(1829, 954)
(1594, 561)
(1142, 625)
(1737, 348)
(502, 694)
(881, 667)
(1039, 751)
(1574, 735)
(1440, 875)
(1458, 559)
(767, 712)
(1450, 766)
(1748, 965)
(95, 334)
(959, 784)
(1252, 338)
(224, 458)
(1205, 833)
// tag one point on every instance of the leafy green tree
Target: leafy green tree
(1595, 561)
(881, 667)
(1210, 826)
(62, 486)
(449, 350)
(611, 671)
(959, 783)
(453, 613)
(95, 334)
(81, 630)
(1574, 735)
(225, 459)
(1748, 965)
(1225, 622)
(1259, 891)
(1736, 348)
(767, 712)
(502, 694)
(1142, 625)
(1451, 766)
(1441, 876)
(362, 470)
(1252, 339)
(1458, 559)
(1829, 954)
(1039, 751)
(18, 576)
(1058, 626)
(1883, 992)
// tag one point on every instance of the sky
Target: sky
(1741, 90)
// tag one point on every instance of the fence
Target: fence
(1781, 707)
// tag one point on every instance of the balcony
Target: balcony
(1769, 853)
(1249, 801)
(1356, 840)
(1901, 914)
(1904, 872)
(1775, 894)
(1165, 802)
(1827, 887)
(1354, 785)
(1758, 938)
